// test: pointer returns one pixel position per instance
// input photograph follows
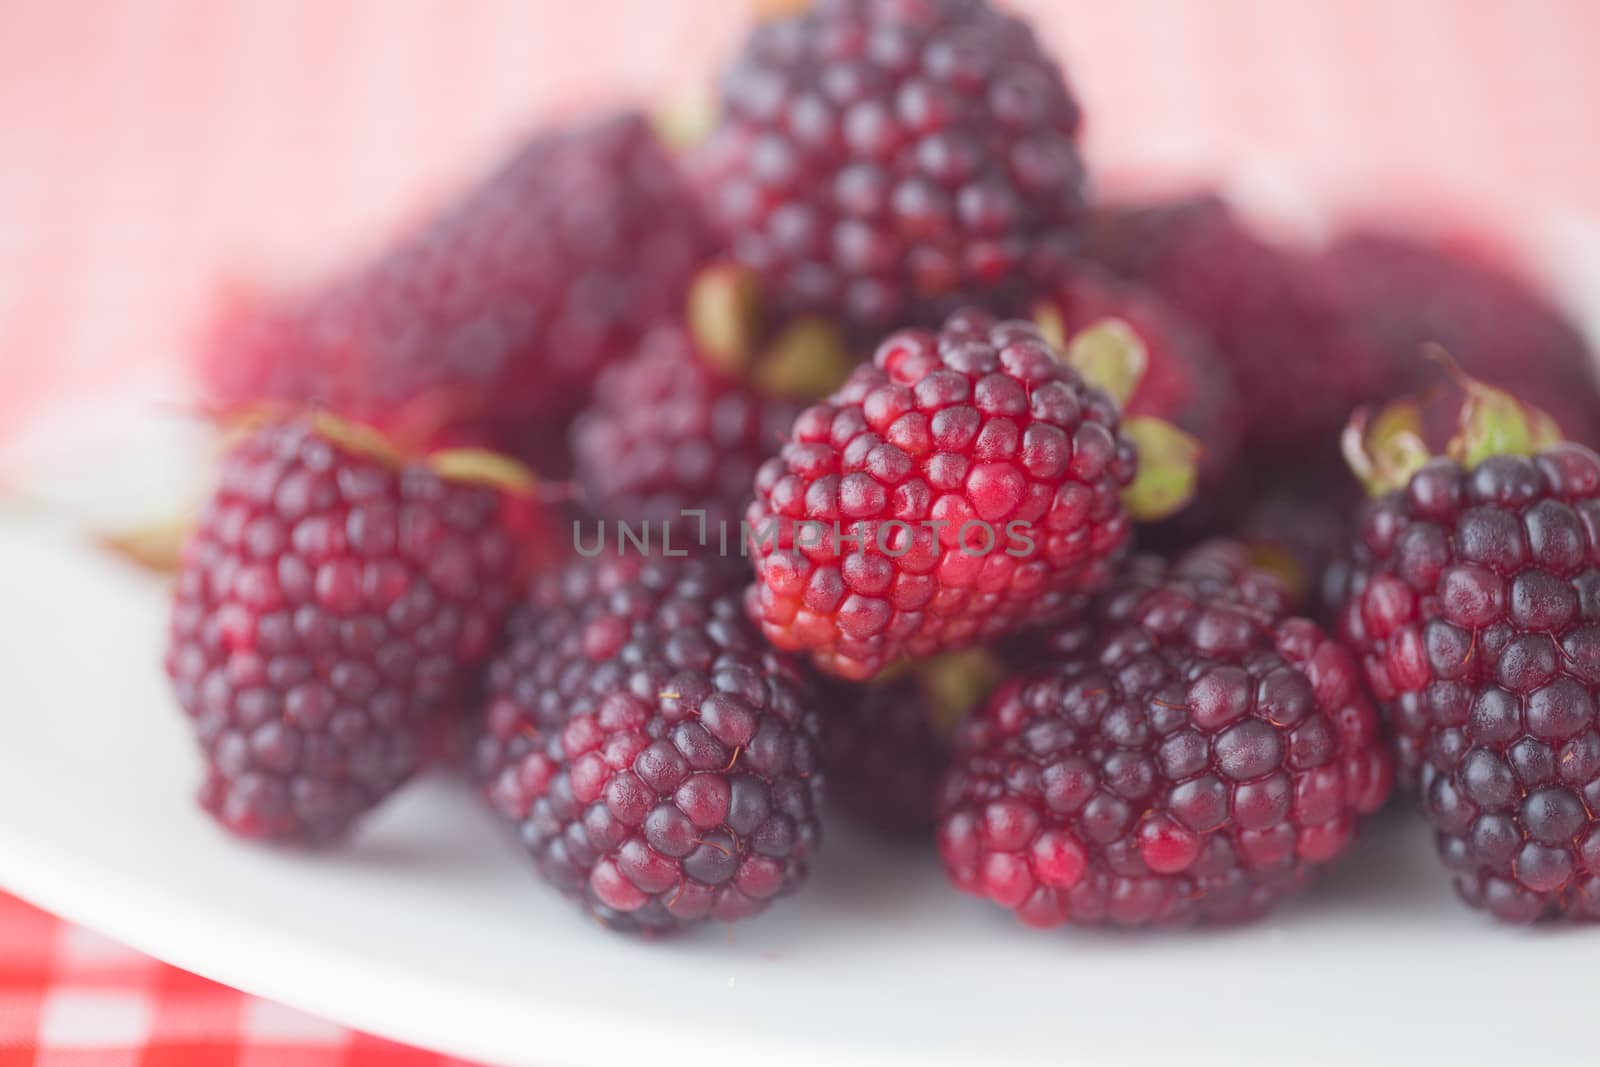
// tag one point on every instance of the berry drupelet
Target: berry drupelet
(964, 484)
(495, 316)
(676, 432)
(658, 760)
(1184, 751)
(886, 162)
(671, 435)
(332, 608)
(1185, 381)
(1475, 603)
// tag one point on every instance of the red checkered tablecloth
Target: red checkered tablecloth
(71, 998)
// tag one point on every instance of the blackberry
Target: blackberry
(1259, 304)
(883, 754)
(331, 610)
(1185, 751)
(885, 745)
(1394, 294)
(1295, 518)
(658, 760)
(887, 162)
(497, 315)
(1475, 604)
(1185, 383)
(671, 434)
(965, 484)
(677, 431)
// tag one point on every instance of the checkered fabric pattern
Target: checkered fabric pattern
(71, 998)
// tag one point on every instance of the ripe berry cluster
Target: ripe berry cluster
(1040, 512)
(1476, 604)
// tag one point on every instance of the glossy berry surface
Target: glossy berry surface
(495, 316)
(1185, 751)
(885, 162)
(1476, 607)
(330, 615)
(669, 432)
(975, 481)
(657, 759)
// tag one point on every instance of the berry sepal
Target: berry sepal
(807, 359)
(1111, 357)
(1385, 448)
(1169, 466)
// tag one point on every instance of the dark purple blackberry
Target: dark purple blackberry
(1294, 515)
(883, 753)
(670, 433)
(886, 744)
(1186, 381)
(676, 432)
(1395, 293)
(498, 314)
(1475, 604)
(1268, 313)
(331, 611)
(1184, 751)
(888, 161)
(658, 760)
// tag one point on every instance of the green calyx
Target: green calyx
(1495, 423)
(1385, 449)
(724, 315)
(951, 683)
(955, 683)
(1169, 469)
(1110, 356)
(686, 119)
(807, 360)
(481, 466)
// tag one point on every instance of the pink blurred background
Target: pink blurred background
(150, 147)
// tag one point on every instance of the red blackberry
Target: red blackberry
(1395, 294)
(658, 760)
(889, 161)
(1258, 303)
(1185, 382)
(677, 431)
(1189, 751)
(496, 315)
(331, 609)
(1475, 604)
(964, 484)
(885, 745)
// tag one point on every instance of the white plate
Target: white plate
(430, 929)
